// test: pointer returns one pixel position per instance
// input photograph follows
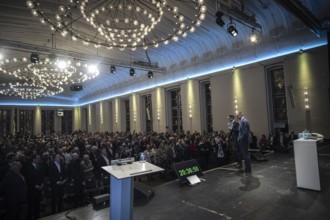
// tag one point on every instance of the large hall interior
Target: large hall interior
(81, 79)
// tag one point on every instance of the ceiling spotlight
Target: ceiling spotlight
(34, 58)
(132, 72)
(150, 74)
(232, 30)
(218, 18)
(112, 69)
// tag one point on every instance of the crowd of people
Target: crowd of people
(35, 167)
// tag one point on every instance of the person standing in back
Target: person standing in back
(34, 181)
(14, 190)
(244, 138)
(57, 176)
(233, 140)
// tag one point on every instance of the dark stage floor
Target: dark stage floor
(269, 193)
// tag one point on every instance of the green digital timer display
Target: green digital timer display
(189, 171)
(187, 168)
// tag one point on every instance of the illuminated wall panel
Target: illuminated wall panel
(158, 105)
(37, 120)
(77, 119)
(191, 106)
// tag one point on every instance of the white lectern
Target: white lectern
(307, 164)
(122, 185)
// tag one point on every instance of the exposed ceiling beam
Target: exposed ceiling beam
(29, 48)
(296, 8)
(237, 13)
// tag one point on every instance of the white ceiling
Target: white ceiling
(210, 48)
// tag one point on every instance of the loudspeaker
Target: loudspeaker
(101, 201)
(143, 191)
(76, 87)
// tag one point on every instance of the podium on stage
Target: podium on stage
(122, 185)
(307, 164)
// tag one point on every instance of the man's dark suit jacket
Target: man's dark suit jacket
(33, 176)
(55, 175)
(13, 188)
(101, 163)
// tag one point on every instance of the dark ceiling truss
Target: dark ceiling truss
(297, 8)
(137, 64)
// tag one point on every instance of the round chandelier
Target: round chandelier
(29, 90)
(50, 72)
(46, 77)
(120, 23)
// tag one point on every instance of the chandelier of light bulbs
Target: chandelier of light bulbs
(45, 77)
(120, 23)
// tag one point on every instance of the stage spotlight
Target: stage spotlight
(232, 30)
(150, 74)
(218, 18)
(34, 58)
(132, 72)
(112, 69)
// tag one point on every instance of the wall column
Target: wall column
(135, 114)
(117, 115)
(77, 119)
(158, 109)
(103, 116)
(37, 120)
(91, 122)
(191, 111)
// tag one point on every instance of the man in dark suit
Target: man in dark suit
(102, 161)
(93, 156)
(244, 138)
(14, 190)
(58, 179)
(34, 180)
(10, 157)
(233, 140)
(76, 174)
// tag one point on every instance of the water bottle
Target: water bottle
(305, 135)
(142, 158)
